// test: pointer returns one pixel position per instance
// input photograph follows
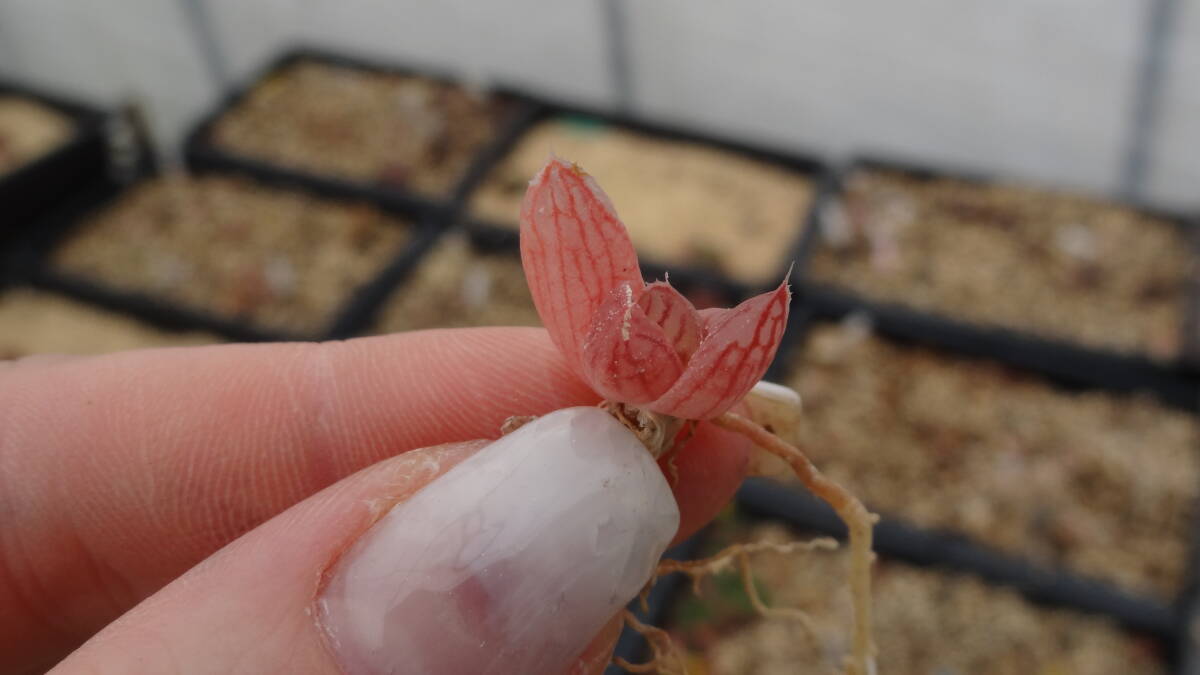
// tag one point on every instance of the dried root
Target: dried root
(697, 570)
(858, 521)
(739, 554)
(665, 657)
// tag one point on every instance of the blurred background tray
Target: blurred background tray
(70, 151)
(337, 123)
(166, 295)
(1046, 336)
(471, 278)
(929, 617)
(1141, 602)
(709, 211)
(39, 320)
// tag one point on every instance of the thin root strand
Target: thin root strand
(858, 521)
(660, 642)
(723, 560)
(665, 657)
(761, 607)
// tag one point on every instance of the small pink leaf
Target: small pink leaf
(668, 308)
(627, 357)
(575, 251)
(736, 350)
(709, 316)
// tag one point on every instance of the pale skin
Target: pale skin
(125, 478)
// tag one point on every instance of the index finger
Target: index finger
(118, 473)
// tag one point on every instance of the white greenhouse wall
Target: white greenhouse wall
(1035, 88)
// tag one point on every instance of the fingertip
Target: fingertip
(142, 463)
(598, 654)
(534, 544)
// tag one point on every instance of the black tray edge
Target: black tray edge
(31, 190)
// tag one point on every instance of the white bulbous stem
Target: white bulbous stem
(656, 431)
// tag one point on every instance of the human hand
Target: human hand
(227, 509)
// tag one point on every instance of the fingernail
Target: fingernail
(511, 561)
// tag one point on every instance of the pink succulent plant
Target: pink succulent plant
(643, 345)
(646, 346)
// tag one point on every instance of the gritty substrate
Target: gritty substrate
(36, 322)
(926, 622)
(28, 130)
(281, 259)
(684, 203)
(1103, 484)
(1055, 264)
(456, 286)
(365, 126)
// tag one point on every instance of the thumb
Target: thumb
(504, 557)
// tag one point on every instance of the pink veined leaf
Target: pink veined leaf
(637, 344)
(575, 251)
(628, 357)
(668, 308)
(737, 347)
(709, 316)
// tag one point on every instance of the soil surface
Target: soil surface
(927, 622)
(28, 130)
(1103, 484)
(365, 126)
(457, 286)
(1055, 264)
(683, 203)
(283, 260)
(37, 322)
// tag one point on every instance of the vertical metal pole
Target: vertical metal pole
(204, 33)
(1147, 97)
(9, 59)
(617, 34)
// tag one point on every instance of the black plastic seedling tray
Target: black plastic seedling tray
(526, 111)
(1057, 357)
(201, 154)
(901, 540)
(33, 188)
(349, 319)
(546, 109)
